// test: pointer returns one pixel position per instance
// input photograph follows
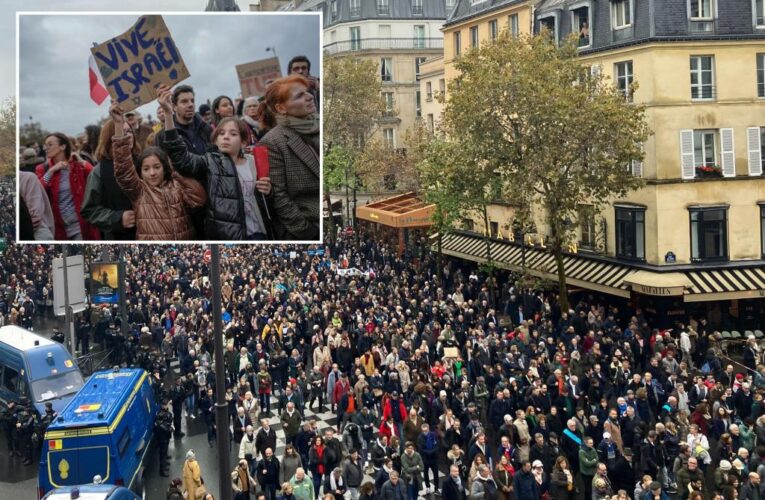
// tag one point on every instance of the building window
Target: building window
(417, 7)
(355, 36)
(709, 234)
(390, 138)
(418, 62)
(580, 20)
(549, 24)
(431, 123)
(428, 91)
(355, 8)
(468, 224)
(493, 32)
(386, 69)
(388, 98)
(621, 13)
(383, 8)
(704, 148)
(762, 146)
(473, 37)
(702, 78)
(419, 36)
(587, 226)
(333, 36)
(707, 153)
(762, 230)
(512, 24)
(457, 43)
(759, 13)
(630, 233)
(761, 75)
(418, 104)
(442, 86)
(333, 9)
(494, 228)
(702, 9)
(623, 73)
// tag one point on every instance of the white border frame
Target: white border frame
(317, 14)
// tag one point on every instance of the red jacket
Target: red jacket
(341, 389)
(388, 410)
(78, 176)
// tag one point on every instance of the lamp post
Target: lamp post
(221, 407)
(271, 49)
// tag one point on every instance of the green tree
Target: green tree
(32, 132)
(8, 153)
(352, 108)
(559, 133)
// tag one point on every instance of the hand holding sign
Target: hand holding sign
(134, 63)
(263, 185)
(165, 99)
(118, 116)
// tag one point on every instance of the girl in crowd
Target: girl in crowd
(236, 208)
(222, 107)
(289, 112)
(63, 176)
(161, 198)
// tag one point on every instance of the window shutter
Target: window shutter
(728, 154)
(637, 168)
(753, 148)
(686, 154)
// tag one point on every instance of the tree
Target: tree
(32, 132)
(558, 132)
(352, 107)
(8, 151)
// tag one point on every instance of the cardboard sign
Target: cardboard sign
(451, 352)
(254, 77)
(136, 62)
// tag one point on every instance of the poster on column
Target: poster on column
(136, 62)
(104, 282)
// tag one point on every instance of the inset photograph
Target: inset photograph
(174, 127)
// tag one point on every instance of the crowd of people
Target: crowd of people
(194, 175)
(430, 370)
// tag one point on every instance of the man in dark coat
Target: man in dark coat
(524, 484)
(265, 438)
(452, 487)
(267, 473)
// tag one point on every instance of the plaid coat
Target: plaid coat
(295, 184)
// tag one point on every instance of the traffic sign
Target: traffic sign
(208, 256)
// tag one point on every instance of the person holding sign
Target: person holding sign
(161, 198)
(236, 207)
(64, 175)
(289, 112)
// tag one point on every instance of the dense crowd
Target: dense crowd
(427, 368)
(241, 170)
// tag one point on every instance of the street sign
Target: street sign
(75, 270)
(208, 256)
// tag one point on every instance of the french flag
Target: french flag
(98, 90)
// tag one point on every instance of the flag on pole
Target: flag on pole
(98, 90)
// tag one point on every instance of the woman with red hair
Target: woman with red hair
(289, 113)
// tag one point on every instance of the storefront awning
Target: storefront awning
(660, 284)
(402, 211)
(726, 284)
(580, 271)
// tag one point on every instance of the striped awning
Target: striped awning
(593, 273)
(580, 270)
(722, 284)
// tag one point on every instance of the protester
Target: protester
(161, 198)
(289, 111)
(236, 207)
(35, 205)
(222, 107)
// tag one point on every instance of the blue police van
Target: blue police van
(37, 368)
(106, 430)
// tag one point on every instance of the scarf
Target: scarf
(334, 483)
(244, 481)
(537, 476)
(307, 127)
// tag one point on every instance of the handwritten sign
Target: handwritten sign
(136, 62)
(255, 76)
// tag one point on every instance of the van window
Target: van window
(10, 379)
(122, 444)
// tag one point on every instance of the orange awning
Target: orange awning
(401, 211)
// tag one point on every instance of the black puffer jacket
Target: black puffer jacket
(224, 212)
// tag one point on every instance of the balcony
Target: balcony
(701, 26)
(384, 44)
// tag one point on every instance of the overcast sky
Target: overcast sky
(54, 51)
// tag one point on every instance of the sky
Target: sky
(54, 51)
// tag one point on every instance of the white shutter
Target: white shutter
(728, 154)
(637, 168)
(753, 147)
(686, 154)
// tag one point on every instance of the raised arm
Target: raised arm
(124, 169)
(184, 161)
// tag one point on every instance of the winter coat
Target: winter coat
(225, 216)
(235, 481)
(192, 480)
(105, 202)
(303, 490)
(289, 464)
(247, 447)
(353, 473)
(411, 467)
(78, 175)
(161, 212)
(295, 180)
